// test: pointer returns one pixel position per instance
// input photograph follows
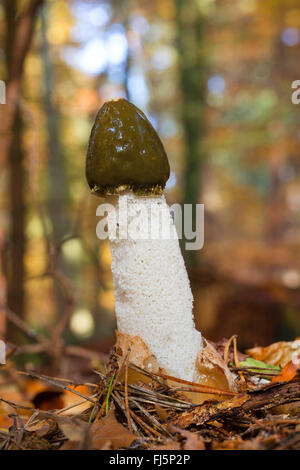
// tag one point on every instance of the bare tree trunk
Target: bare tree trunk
(18, 40)
(15, 297)
(57, 178)
(57, 192)
(3, 287)
(192, 79)
(276, 222)
(19, 33)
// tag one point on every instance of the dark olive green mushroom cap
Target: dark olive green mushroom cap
(125, 152)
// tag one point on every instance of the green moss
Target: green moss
(125, 152)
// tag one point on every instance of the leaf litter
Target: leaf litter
(154, 411)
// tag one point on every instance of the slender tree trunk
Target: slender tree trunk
(15, 293)
(19, 33)
(57, 190)
(275, 222)
(15, 298)
(192, 74)
(3, 287)
(57, 179)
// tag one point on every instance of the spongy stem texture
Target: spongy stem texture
(153, 298)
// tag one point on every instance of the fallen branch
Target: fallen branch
(262, 399)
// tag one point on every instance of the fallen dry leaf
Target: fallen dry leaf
(227, 444)
(289, 371)
(291, 409)
(70, 399)
(139, 353)
(168, 445)
(161, 413)
(192, 442)
(211, 369)
(5, 421)
(69, 445)
(108, 429)
(34, 386)
(277, 354)
(74, 430)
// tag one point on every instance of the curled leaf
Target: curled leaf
(277, 354)
(212, 370)
(139, 353)
(289, 371)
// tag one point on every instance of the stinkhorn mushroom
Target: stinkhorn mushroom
(127, 163)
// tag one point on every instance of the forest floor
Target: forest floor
(106, 409)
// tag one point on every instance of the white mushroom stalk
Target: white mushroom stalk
(127, 164)
(153, 298)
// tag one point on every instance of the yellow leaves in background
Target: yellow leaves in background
(105, 255)
(166, 9)
(293, 17)
(39, 293)
(72, 250)
(33, 66)
(80, 127)
(60, 23)
(35, 259)
(82, 323)
(86, 100)
(107, 299)
(34, 228)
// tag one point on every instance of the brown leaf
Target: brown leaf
(227, 444)
(238, 444)
(5, 421)
(161, 413)
(69, 445)
(108, 429)
(139, 354)
(212, 370)
(291, 409)
(277, 354)
(168, 445)
(192, 442)
(74, 431)
(289, 371)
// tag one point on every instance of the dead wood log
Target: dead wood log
(263, 399)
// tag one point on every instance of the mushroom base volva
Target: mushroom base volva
(125, 152)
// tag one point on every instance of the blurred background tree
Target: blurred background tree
(214, 77)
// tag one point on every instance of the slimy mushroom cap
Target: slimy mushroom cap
(125, 152)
